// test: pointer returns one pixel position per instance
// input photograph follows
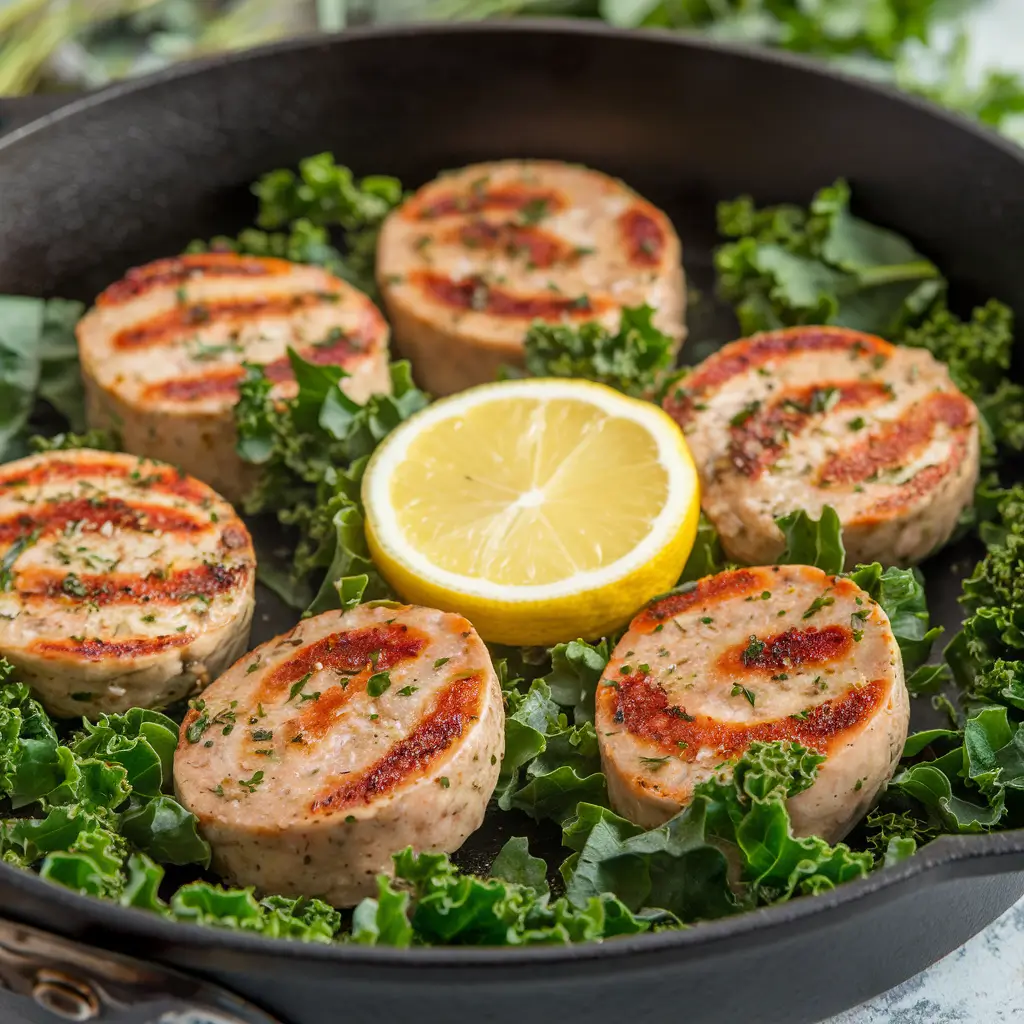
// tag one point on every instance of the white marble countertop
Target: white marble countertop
(983, 981)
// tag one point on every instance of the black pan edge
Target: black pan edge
(950, 857)
(526, 26)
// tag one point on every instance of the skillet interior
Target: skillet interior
(118, 179)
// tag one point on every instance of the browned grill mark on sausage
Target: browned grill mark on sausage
(125, 588)
(707, 591)
(758, 441)
(95, 649)
(894, 443)
(538, 247)
(89, 514)
(152, 476)
(643, 235)
(223, 381)
(477, 200)
(643, 709)
(748, 354)
(179, 269)
(412, 757)
(792, 648)
(166, 328)
(916, 487)
(364, 650)
(474, 295)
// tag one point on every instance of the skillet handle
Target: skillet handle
(45, 979)
(16, 111)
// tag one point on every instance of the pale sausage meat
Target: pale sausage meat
(163, 350)
(125, 583)
(477, 255)
(813, 416)
(325, 750)
(760, 654)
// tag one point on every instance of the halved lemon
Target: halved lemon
(540, 509)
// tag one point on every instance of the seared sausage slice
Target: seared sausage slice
(162, 351)
(324, 751)
(814, 416)
(475, 256)
(125, 583)
(769, 653)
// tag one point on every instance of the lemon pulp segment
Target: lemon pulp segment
(539, 509)
(558, 489)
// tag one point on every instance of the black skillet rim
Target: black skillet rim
(948, 857)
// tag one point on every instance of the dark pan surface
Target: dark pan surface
(136, 172)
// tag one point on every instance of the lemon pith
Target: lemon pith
(539, 509)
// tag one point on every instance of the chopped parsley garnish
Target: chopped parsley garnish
(250, 784)
(225, 717)
(407, 691)
(755, 648)
(261, 735)
(738, 689)
(857, 423)
(824, 399)
(378, 684)
(252, 668)
(443, 782)
(800, 715)
(534, 211)
(73, 586)
(315, 695)
(745, 413)
(817, 604)
(297, 687)
(654, 763)
(440, 662)
(707, 620)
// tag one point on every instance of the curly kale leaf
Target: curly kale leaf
(683, 866)
(978, 353)
(901, 595)
(38, 363)
(440, 905)
(787, 266)
(549, 765)
(312, 451)
(632, 359)
(817, 542)
(297, 211)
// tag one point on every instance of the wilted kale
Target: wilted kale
(621, 879)
(297, 211)
(632, 359)
(550, 762)
(788, 266)
(978, 353)
(38, 368)
(311, 451)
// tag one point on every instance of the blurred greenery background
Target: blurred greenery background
(923, 46)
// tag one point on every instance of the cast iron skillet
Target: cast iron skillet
(136, 171)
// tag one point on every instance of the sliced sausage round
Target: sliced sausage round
(815, 416)
(475, 256)
(124, 583)
(162, 351)
(325, 750)
(759, 654)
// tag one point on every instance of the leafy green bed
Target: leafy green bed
(90, 807)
